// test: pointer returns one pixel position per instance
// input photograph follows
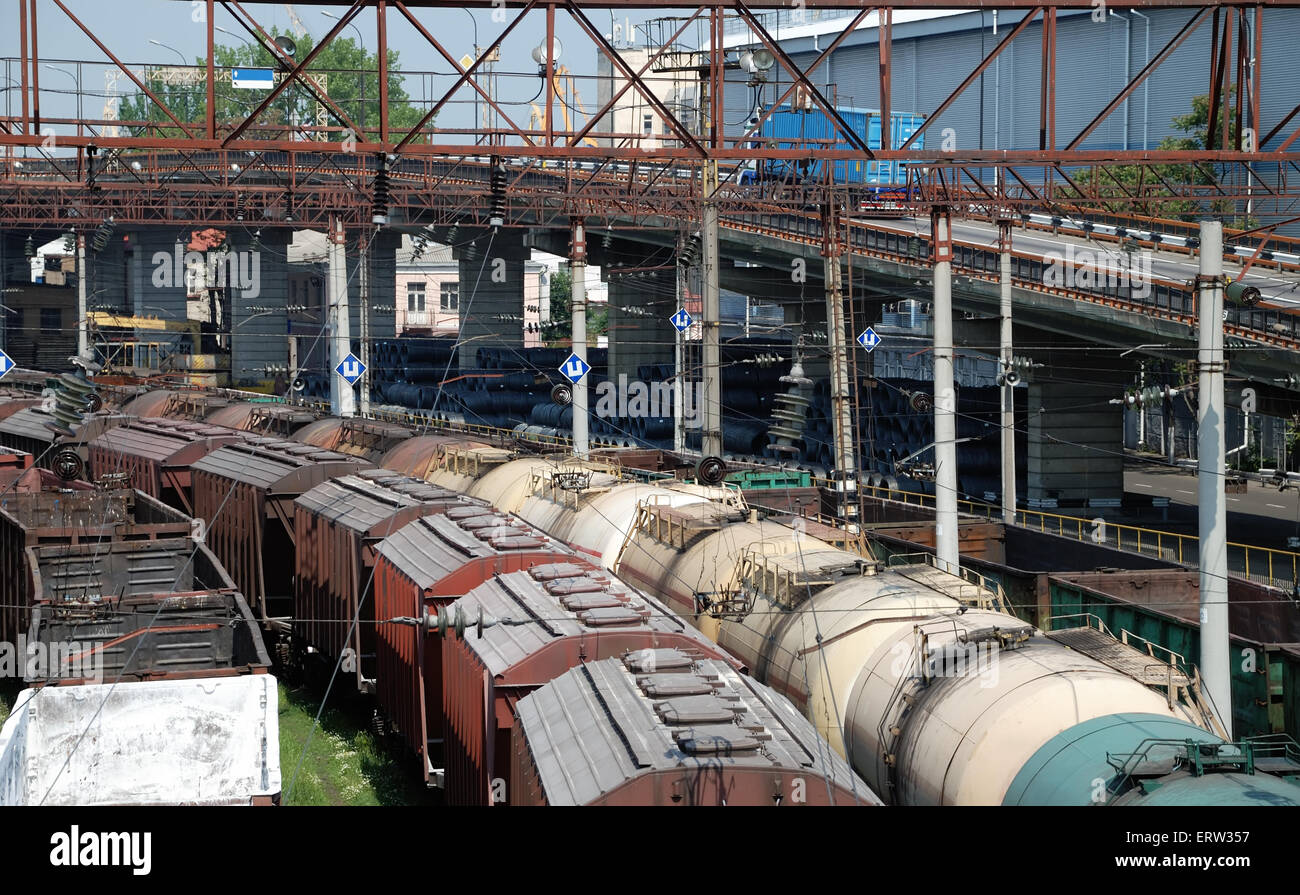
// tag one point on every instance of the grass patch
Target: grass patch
(345, 764)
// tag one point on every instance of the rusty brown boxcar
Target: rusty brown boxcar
(685, 732)
(28, 431)
(155, 455)
(245, 493)
(12, 402)
(337, 526)
(553, 618)
(69, 517)
(367, 439)
(423, 566)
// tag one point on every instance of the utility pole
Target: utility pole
(679, 381)
(578, 301)
(711, 436)
(83, 324)
(1215, 666)
(342, 399)
(845, 478)
(945, 397)
(1008, 380)
(363, 276)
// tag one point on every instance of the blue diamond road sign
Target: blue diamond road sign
(869, 340)
(574, 368)
(6, 364)
(681, 321)
(350, 368)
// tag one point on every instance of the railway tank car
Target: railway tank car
(850, 642)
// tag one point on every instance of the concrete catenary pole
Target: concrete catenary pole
(342, 398)
(578, 302)
(83, 324)
(1215, 666)
(1007, 361)
(679, 380)
(363, 277)
(711, 436)
(945, 397)
(846, 498)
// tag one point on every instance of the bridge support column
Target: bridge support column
(1076, 441)
(638, 325)
(945, 397)
(492, 295)
(258, 324)
(1213, 560)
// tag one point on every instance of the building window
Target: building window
(415, 296)
(51, 319)
(648, 123)
(449, 296)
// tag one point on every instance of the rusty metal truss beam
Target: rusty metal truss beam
(672, 169)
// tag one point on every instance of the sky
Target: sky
(127, 26)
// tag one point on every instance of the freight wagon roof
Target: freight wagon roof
(266, 462)
(28, 423)
(362, 500)
(149, 404)
(432, 547)
(158, 439)
(602, 724)
(558, 600)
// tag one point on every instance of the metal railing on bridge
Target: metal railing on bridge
(1267, 565)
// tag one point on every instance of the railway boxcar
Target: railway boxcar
(29, 430)
(337, 526)
(553, 617)
(245, 492)
(422, 567)
(69, 516)
(155, 455)
(694, 732)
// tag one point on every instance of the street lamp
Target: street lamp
(156, 43)
(246, 41)
(361, 76)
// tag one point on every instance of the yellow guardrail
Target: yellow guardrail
(1265, 564)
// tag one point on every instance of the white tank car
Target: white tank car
(847, 641)
(506, 486)
(595, 514)
(460, 466)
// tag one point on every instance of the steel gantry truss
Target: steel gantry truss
(191, 161)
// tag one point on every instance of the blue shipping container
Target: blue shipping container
(789, 128)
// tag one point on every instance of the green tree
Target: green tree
(559, 330)
(351, 81)
(1146, 179)
(560, 327)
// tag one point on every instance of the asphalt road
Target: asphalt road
(1278, 289)
(1262, 516)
